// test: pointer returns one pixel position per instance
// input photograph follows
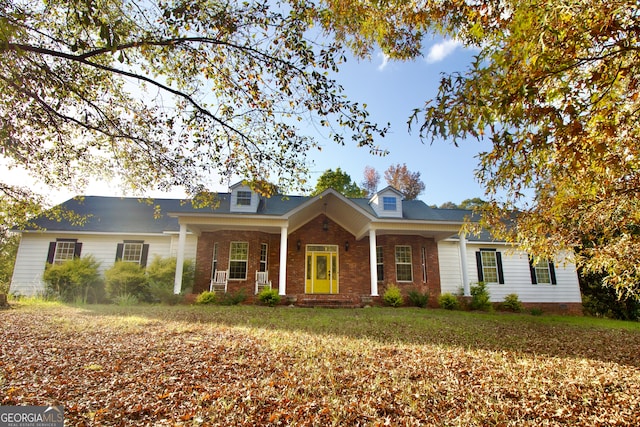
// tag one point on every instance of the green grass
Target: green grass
(256, 365)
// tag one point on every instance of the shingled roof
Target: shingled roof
(139, 215)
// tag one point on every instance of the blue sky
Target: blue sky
(391, 91)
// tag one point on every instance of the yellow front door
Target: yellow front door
(322, 273)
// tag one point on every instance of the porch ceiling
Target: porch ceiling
(208, 223)
(339, 210)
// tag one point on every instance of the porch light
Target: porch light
(346, 246)
(325, 224)
(298, 245)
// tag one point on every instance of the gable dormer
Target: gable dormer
(387, 203)
(243, 199)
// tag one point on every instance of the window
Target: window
(63, 250)
(238, 257)
(135, 251)
(132, 252)
(542, 272)
(489, 263)
(389, 203)
(243, 198)
(214, 260)
(423, 255)
(379, 263)
(404, 272)
(263, 256)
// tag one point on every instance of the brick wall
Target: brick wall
(204, 257)
(353, 264)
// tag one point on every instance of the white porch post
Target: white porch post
(282, 281)
(372, 263)
(182, 239)
(463, 264)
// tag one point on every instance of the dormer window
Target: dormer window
(389, 203)
(244, 198)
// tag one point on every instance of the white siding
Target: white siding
(517, 276)
(450, 267)
(235, 207)
(378, 205)
(32, 254)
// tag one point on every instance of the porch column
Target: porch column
(282, 281)
(182, 239)
(372, 263)
(463, 264)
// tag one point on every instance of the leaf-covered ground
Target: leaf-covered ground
(261, 366)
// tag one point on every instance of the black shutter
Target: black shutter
(532, 270)
(77, 250)
(51, 253)
(552, 273)
(479, 265)
(145, 254)
(119, 250)
(500, 271)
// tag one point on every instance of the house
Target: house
(314, 250)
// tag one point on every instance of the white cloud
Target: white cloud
(439, 51)
(385, 61)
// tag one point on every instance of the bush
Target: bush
(161, 274)
(449, 301)
(418, 299)
(480, 299)
(126, 278)
(392, 296)
(206, 297)
(536, 312)
(233, 298)
(269, 297)
(125, 300)
(76, 280)
(512, 303)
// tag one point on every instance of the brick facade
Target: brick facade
(353, 263)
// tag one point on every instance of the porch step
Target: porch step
(329, 301)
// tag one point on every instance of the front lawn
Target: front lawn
(249, 365)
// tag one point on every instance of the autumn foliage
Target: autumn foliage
(211, 365)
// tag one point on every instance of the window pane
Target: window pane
(404, 271)
(379, 263)
(489, 266)
(403, 254)
(389, 203)
(238, 260)
(237, 270)
(64, 252)
(132, 252)
(543, 275)
(244, 198)
(263, 257)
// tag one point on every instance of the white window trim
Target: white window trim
(246, 261)
(410, 263)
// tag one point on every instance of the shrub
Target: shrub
(76, 280)
(536, 311)
(206, 297)
(512, 303)
(233, 298)
(418, 299)
(125, 300)
(161, 274)
(480, 299)
(269, 297)
(449, 301)
(126, 278)
(392, 296)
